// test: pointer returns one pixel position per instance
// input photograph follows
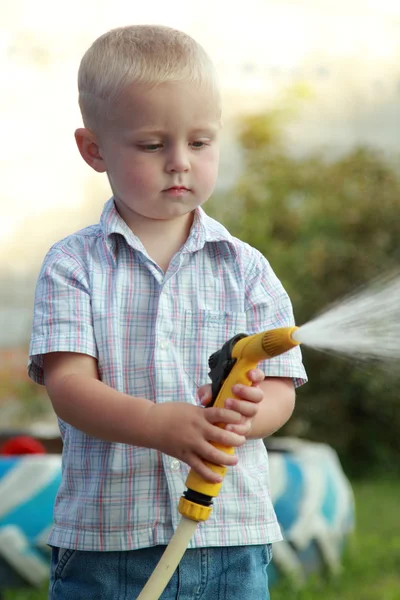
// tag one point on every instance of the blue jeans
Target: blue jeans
(223, 573)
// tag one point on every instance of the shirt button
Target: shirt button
(163, 345)
(175, 465)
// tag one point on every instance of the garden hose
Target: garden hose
(228, 366)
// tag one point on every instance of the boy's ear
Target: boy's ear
(89, 149)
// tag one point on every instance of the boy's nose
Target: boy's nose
(177, 161)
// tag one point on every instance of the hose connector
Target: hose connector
(193, 510)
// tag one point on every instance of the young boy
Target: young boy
(127, 313)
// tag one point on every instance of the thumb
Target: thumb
(204, 394)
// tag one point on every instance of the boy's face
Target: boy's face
(161, 150)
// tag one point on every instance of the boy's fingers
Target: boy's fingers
(256, 375)
(222, 436)
(246, 409)
(241, 429)
(204, 394)
(252, 394)
(208, 453)
(218, 457)
(205, 472)
(222, 415)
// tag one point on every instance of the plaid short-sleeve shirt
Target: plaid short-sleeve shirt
(99, 293)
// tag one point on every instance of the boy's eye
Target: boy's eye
(150, 147)
(198, 144)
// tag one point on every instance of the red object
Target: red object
(22, 444)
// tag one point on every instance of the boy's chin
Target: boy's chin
(179, 210)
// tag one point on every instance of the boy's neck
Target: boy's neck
(162, 239)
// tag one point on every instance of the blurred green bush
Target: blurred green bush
(326, 226)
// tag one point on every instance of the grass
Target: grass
(26, 594)
(371, 569)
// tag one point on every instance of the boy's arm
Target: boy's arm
(82, 400)
(276, 407)
(178, 429)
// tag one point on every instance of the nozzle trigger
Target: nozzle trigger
(221, 364)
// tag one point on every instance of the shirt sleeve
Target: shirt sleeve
(267, 307)
(62, 317)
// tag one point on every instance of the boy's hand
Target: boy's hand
(246, 403)
(185, 432)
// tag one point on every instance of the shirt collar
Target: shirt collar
(204, 230)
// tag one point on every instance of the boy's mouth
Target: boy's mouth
(177, 187)
(177, 190)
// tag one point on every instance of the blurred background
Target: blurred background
(310, 175)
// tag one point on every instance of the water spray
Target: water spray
(365, 325)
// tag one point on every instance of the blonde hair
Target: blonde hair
(149, 54)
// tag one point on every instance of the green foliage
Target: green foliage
(326, 227)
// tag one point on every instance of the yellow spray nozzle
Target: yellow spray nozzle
(229, 366)
(267, 344)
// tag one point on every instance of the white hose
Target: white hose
(169, 561)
